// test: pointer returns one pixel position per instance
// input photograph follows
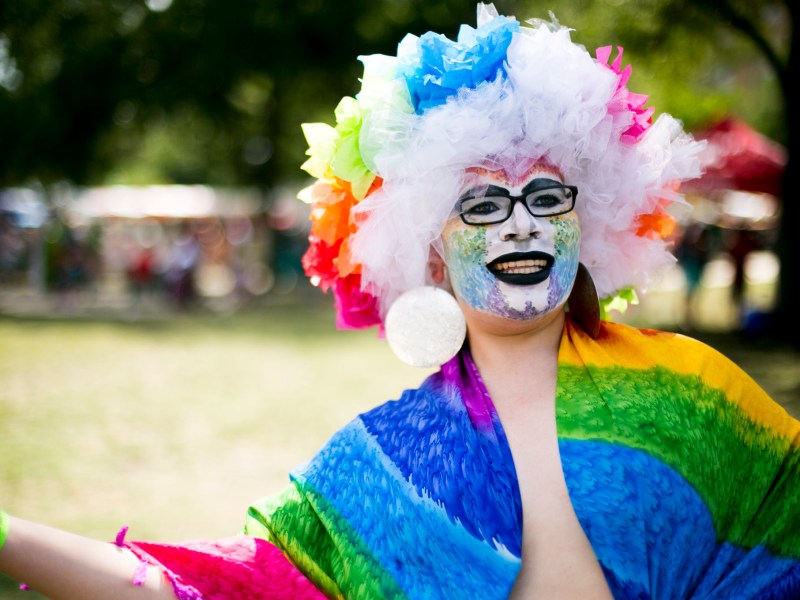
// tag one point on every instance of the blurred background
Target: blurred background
(163, 359)
(150, 148)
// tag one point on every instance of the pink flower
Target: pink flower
(355, 308)
(624, 100)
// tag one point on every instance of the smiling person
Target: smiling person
(477, 203)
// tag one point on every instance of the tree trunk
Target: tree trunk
(787, 325)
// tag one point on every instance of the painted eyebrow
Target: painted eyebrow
(484, 190)
(539, 183)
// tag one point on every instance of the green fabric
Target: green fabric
(300, 519)
(4, 526)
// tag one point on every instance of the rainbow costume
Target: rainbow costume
(683, 474)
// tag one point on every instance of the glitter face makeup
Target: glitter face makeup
(518, 269)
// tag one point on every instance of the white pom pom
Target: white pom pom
(425, 327)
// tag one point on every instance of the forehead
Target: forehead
(510, 178)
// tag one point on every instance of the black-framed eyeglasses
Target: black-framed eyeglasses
(495, 205)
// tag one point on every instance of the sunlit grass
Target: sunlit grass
(173, 426)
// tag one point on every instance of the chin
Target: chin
(513, 316)
(523, 303)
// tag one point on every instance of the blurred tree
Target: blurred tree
(698, 70)
(184, 90)
(768, 26)
(209, 91)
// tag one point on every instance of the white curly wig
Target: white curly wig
(503, 94)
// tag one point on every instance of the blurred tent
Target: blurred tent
(729, 239)
(738, 158)
(741, 185)
(164, 201)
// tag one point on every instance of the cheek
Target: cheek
(567, 242)
(567, 236)
(465, 254)
(464, 246)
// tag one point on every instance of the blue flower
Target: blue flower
(439, 67)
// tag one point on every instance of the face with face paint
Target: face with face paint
(522, 267)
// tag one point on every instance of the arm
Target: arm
(63, 565)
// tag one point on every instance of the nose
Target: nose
(520, 225)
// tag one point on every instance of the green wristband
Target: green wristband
(4, 525)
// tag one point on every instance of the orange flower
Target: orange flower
(659, 223)
(344, 261)
(655, 225)
(330, 212)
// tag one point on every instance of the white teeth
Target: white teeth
(521, 266)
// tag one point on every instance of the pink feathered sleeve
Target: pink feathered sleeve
(235, 568)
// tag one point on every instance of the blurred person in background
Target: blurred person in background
(183, 258)
(13, 250)
(474, 202)
(75, 265)
(142, 272)
(695, 248)
(740, 242)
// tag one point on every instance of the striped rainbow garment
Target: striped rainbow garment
(683, 473)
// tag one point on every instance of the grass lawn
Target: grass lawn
(174, 426)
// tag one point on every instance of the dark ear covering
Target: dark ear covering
(583, 303)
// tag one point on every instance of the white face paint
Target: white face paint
(521, 268)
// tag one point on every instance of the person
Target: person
(182, 262)
(556, 454)
(696, 246)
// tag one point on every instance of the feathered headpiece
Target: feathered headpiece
(389, 172)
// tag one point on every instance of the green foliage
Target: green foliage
(690, 57)
(207, 91)
(619, 302)
(204, 91)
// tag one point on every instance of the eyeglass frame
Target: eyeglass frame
(503, 193)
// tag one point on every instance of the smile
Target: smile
(522, 268)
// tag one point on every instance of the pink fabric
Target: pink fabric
(234, 568)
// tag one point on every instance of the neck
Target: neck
(513, 356)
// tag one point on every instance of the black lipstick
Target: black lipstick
(522, 278)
